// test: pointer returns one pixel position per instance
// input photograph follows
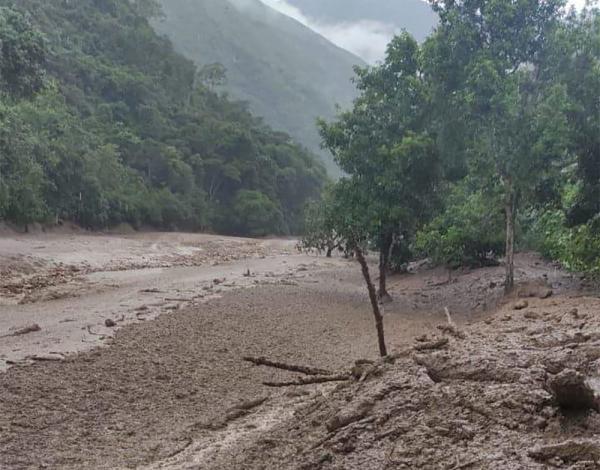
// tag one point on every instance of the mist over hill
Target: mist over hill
(363, 27)
(288, 74)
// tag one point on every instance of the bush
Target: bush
(577, 248)
(466, 234)
(255, 214)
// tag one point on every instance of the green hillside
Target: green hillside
(101, 122)
(416, 16)
(287, 73)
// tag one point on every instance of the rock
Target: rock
(545, 293)
(520, 305)
(572, 391)
(110, 323)
(531, 315)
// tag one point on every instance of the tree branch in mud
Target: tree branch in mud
(309, 381)
(261, 361)
(360, 256)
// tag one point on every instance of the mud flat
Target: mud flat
(168, 387)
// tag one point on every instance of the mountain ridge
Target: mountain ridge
(289, 74)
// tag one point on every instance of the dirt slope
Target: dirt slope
(480, 402)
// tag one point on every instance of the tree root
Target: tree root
(261, 361)
(309, 381)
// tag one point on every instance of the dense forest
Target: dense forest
(480, 141)
(102, 122)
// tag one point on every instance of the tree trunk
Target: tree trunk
(374, 304)
(384, 262)
(329, 252)
(510, 212)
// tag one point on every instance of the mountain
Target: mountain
(416, 16)
(287, 73)
(102, 122)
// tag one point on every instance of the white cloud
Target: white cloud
(367, 39)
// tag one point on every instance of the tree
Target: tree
(22, 55)
(319, 226)
(485, 58)
(386, 147)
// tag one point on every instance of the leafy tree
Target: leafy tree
(485, 56)
(319, 231)
(255, 214)
(384, 144)
(22, 55)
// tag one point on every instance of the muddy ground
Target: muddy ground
(168, 386)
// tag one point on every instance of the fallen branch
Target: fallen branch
(46, 358)
(24, 331)
(309, 381)
(449, 318)
(261, 361)
(432, 345)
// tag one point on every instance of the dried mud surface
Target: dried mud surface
(173, 392)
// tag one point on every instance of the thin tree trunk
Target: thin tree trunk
(374, 304)
(510, 212)
(384, 263)
(329, 252)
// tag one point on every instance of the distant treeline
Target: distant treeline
(102, 123)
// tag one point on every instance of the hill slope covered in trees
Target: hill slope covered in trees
(102, 122)
(289, 74)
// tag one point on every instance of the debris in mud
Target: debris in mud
(24, 330)
(110, 323)
(521, 305)
(572, 391)
(569, 452)
(307, 370)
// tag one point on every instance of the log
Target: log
(432, 345)
(309, 381)
(24, 331)
(571, 391)
(261, 361)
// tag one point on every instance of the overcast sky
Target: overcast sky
(367, 39)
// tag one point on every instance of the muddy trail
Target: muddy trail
(167, 385)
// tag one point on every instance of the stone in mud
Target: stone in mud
(521, 305)
(110, 323)
(572, 391)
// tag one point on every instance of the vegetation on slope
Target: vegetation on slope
(102, 123)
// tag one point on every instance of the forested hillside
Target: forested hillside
(102, 122)
(288, 74)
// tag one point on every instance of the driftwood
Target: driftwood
(261, 361)
(24, 331)
(243, 409)
(432, 345)
(309, 381)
